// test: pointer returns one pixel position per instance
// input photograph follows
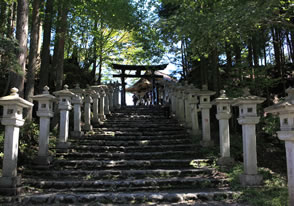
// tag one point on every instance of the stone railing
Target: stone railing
(186, 102)
(94, 103)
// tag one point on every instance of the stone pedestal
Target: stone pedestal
(223, 104)
(285, 110)
(45, 102)
(64, 106)
(87, 115)
(13, 120)
(248, 119)
(205, 106)
(77, 102)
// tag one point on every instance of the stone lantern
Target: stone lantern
(64, 105)
(205, 106)
(12, 120)
(223, 104)
(248, 119)
(285, 110)
(193, 101)
(45, 112)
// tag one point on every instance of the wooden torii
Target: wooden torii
(138, 74)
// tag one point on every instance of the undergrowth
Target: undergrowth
(273, 192)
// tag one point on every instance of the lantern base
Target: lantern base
(206, 143)
(225, 161)
(76, 134)
(88, 127)
(10, 185)
(250, 180)
(43, 160)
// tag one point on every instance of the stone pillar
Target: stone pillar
(12, 120)
(87, 112)
(95, 97)
(223, 104)
(180, 110)
(173, 99)
(102, 104)
(205, 106)
(193, 101)
(45, 112)
(111, 91)
(285, 110)
(248, 119)
(116, 96)
(77, 102)
(188, 109)
(106, 101)
(64, 106)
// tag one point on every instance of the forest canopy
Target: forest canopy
(223, 43)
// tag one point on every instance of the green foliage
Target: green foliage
(28, 141)
(9, 50)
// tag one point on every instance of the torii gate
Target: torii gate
(138, 74)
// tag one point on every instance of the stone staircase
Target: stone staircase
(138, 156)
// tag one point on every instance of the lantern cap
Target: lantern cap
(14, 99)
(248, 98)
(285, 105)
(64, 93)
(46, 96)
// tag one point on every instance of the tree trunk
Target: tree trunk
(11, 19)
(93, 72)
(33, 55)
(214, 65)
(250, 58)
(100, 68)
(238, 61)
(229, 58)
(18, 78)
(60, 42)
(3, 7)
(45, 55)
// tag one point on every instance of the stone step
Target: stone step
(188, 197)
(163, 123)
(127, 164)
(147, 184)
(128, 149)
(143, 132)
(139, 129)
(128, 156)
(116, 174)
(112, 137)
(131, 142)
